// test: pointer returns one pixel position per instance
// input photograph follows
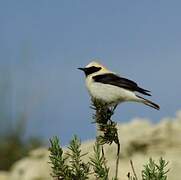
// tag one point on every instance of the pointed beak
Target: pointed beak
(82, 69)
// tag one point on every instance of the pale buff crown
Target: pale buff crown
(97, 64)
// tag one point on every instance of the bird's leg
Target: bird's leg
(110, 112)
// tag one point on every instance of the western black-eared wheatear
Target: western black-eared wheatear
(112, 89)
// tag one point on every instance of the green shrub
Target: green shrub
(70, 166)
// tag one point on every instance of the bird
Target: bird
(113, 89)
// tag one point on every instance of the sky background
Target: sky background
(42, 43)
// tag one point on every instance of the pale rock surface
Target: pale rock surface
(4, 175)
(33, 167)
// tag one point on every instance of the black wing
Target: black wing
(115, 80)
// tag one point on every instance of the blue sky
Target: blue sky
(43, 42)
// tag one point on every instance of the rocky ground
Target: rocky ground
(140, 139)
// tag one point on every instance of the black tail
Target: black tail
(149, 103)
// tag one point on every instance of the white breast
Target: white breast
(109, 93)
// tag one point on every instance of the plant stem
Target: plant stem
(134, 172)
(117, 160)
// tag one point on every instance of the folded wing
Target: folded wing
(115, 80)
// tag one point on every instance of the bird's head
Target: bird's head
(93, 67)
